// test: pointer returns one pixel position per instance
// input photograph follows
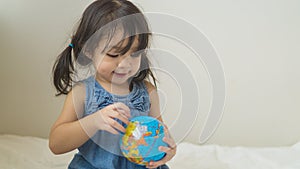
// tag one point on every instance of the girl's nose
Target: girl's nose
(124, 62)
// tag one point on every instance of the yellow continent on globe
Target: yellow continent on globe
(141, 140)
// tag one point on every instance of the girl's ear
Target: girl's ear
(84, 60)
(88, 54)
(84, 57)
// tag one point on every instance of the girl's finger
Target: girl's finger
(116, 114)
(113, 123)
(110, 129)
(164, 149)
(155, 164)
(122, 118)
(170, 142)
(122, 112)
(121, 106)
(170, 152)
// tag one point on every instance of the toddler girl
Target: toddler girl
(112, 38)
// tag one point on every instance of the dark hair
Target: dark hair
(91, 28)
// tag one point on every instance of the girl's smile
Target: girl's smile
(119, 74)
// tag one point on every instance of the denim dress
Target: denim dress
(102, 151)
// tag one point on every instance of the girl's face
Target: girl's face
(116, 68)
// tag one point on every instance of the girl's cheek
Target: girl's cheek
(99, 60)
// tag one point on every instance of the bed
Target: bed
(23, 152)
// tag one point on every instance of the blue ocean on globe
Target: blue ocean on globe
(142, 139)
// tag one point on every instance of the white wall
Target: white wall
(257, 42)
(33, 33)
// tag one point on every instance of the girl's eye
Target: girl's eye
(112, 55)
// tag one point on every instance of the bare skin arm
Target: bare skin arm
(154, 100)
(155, 112)
(69, 132)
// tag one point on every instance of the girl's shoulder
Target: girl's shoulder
(79, 89)
(88, 81)
(149, 86)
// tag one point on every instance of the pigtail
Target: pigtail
(62, 72)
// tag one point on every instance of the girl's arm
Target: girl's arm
(155, 112)
(154, 101)
(69, 132)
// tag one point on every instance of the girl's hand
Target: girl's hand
(105, 119)
(170, 151)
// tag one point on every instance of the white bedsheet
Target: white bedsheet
(216, 157)
(17, 152)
